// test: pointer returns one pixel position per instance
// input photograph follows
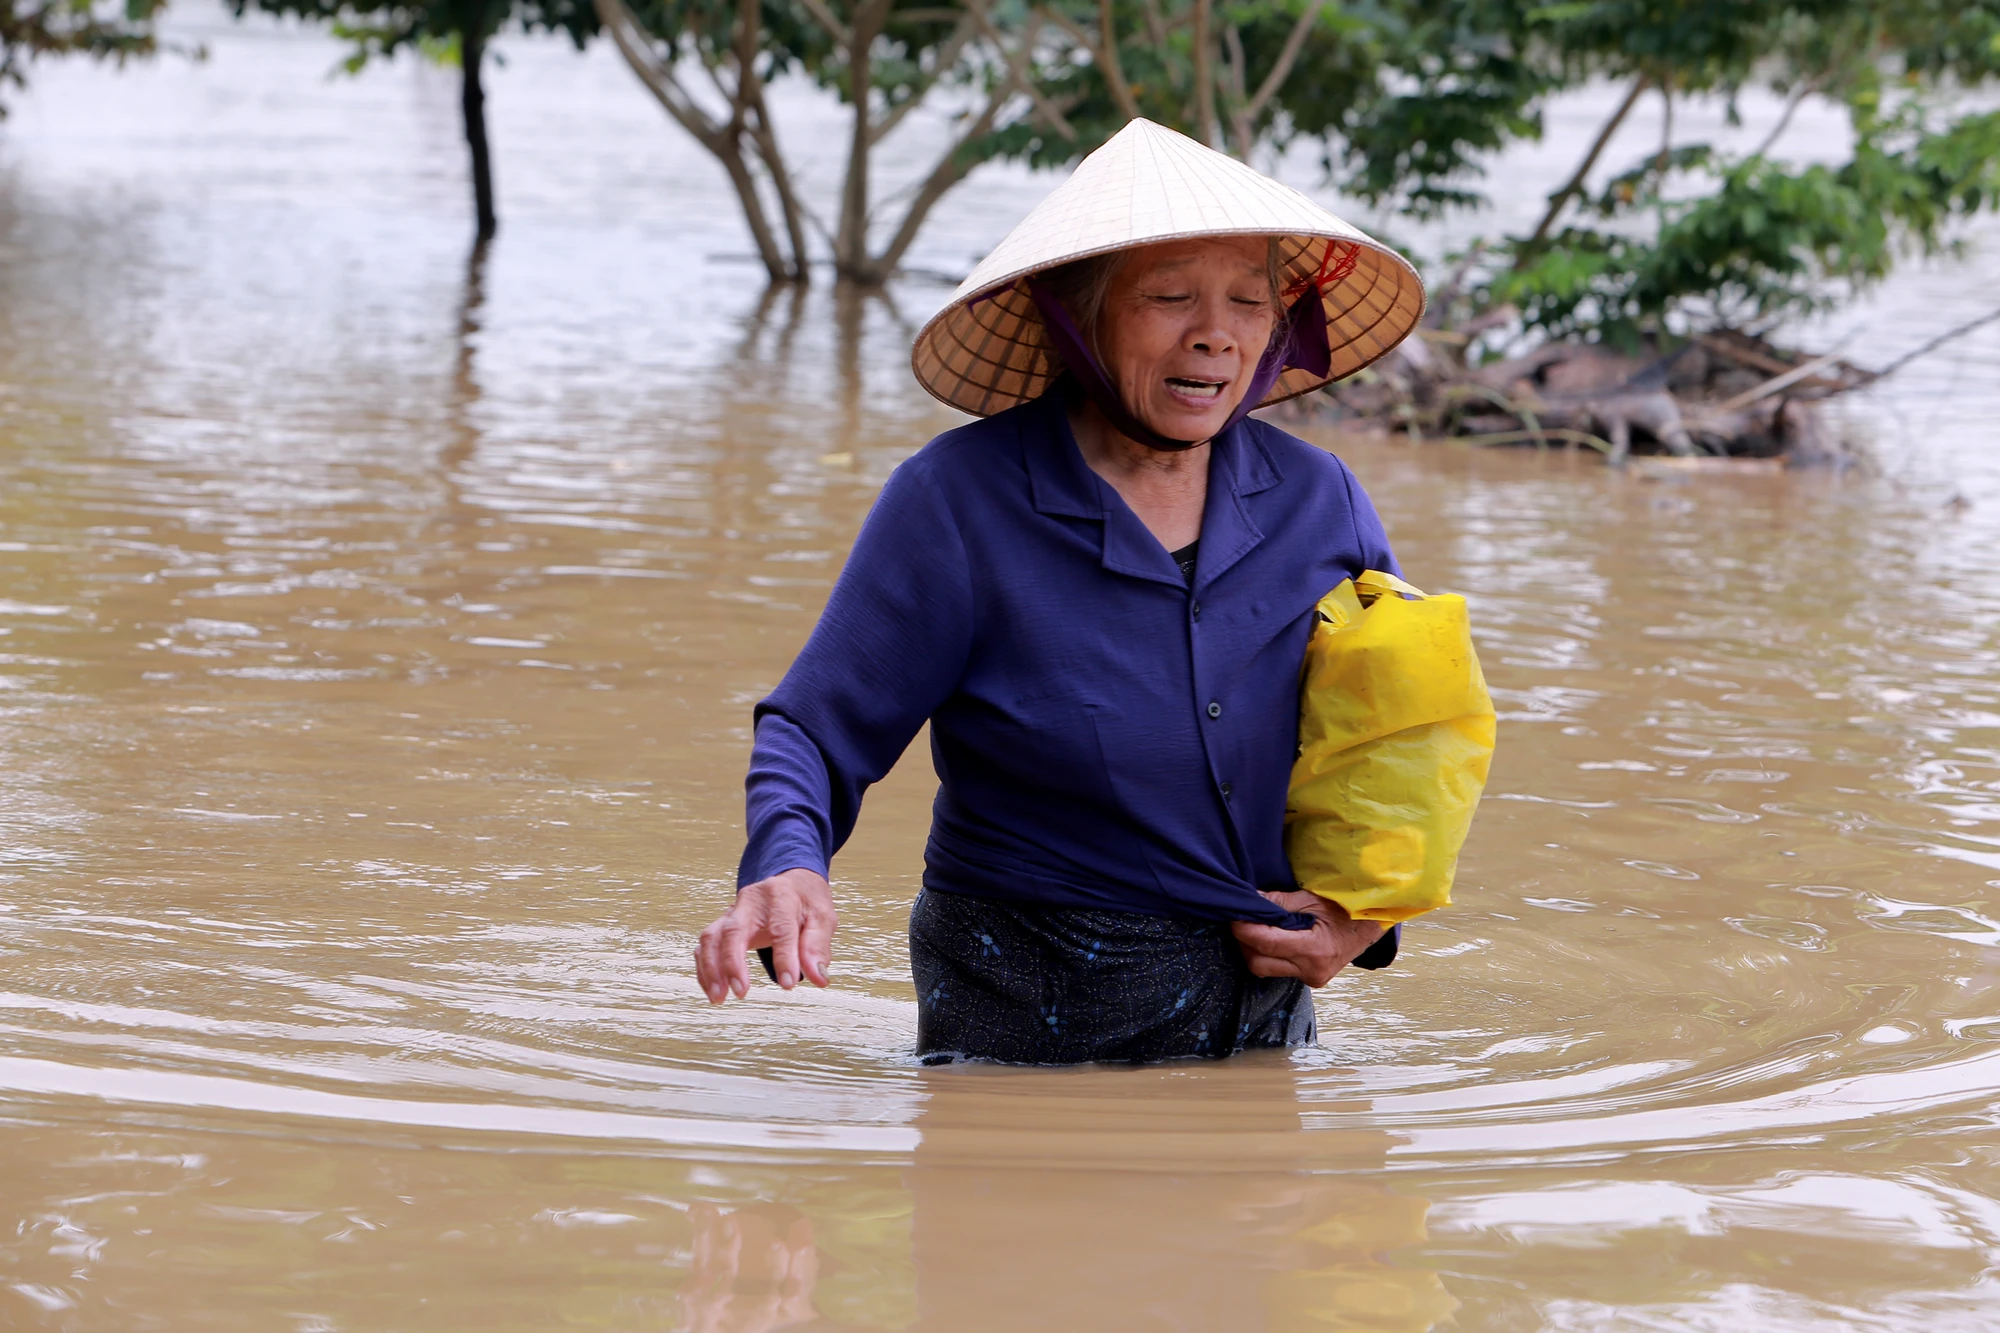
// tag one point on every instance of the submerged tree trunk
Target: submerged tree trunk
(754, 117)
(747, 137)
(730, 141)
(789, 207)
(850, 258)
(472, 55)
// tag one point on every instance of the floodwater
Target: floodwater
(378, 634)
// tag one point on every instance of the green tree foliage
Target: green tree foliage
(1213, 71)
(1693, 236)
(1408, 102)
(1404, 95)
(458, 30)
(30, 30)
(1405, 98)
(1425, 94)
(1411, 100)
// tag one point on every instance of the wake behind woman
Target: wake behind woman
(1099, 597)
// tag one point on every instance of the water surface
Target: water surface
(378, 635)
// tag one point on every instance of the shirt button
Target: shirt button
(1195, 610)
(1214, 709)
(1225, 791)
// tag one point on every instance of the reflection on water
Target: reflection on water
(378, 632)
(1179, 1199)
(754, 1269)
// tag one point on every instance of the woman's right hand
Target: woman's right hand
(791, 914)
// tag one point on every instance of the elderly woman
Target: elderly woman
(1099, 597)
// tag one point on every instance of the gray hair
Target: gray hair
(1082, 285)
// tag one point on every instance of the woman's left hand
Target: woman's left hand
(1313, 956)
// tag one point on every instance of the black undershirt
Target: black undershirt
(1185, 559)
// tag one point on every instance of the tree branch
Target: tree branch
(733, 96)
(1575, 183)
(1239, 110)
(1204, 75)
(1959, 332)
(851, 249)
(946, 57)
(766, 140)
(755, 116)
(1103, 55)
(827, 19)
(1234, 76)
(1288, 56)
(1107, 59)
(1666, 130)
(656, 74)
(954, 164)
(1799, 94)
(721, 140)
(950, 169)
(1019, 77)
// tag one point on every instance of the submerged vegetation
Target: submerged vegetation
(1655, 262)
(1693, 235)
(1675, 269)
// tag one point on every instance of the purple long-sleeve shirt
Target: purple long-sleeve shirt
(1104, 735)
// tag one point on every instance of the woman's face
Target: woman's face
(1183, 326)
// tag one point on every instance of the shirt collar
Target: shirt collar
(1062, 483)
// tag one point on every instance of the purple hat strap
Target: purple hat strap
(1298, 342)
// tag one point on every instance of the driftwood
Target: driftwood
(1722, 394)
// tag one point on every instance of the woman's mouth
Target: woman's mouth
(1201, 391)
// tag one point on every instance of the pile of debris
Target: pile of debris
(1725, 394)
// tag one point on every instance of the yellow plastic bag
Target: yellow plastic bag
(1395, 737)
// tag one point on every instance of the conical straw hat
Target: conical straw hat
(986, 351)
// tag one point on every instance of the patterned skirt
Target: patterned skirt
(1058, 985)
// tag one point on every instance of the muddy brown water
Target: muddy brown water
(377, 642)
